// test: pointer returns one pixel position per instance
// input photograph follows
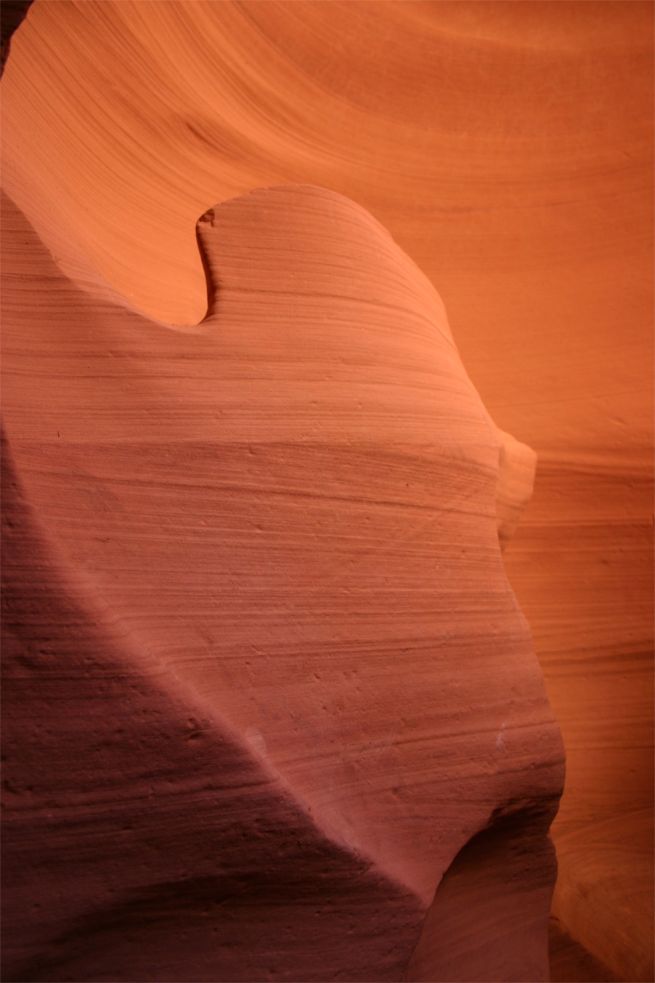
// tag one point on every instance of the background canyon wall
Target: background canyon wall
(507, 147)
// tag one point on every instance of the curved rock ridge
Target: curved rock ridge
(133, 815)
(508, 148)
(285, 526)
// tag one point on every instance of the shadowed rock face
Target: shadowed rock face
(506, 147)
(12, 13)
(277, 680)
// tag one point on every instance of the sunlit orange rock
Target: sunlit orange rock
(275, 623)
(506, 147)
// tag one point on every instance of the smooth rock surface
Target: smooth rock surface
(269, 547)
(508, 148)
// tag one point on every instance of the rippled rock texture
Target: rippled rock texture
(267, 685)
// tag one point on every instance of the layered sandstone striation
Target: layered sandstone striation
(278, 691)
(506, 147)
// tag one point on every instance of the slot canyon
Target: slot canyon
(327, 575)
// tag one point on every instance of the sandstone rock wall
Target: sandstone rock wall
(507, 148)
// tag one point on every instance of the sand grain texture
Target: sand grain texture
(507, 147)
(279, 531)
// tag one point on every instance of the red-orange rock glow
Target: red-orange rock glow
(271, 708)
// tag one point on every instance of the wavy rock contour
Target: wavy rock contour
(273, 710)
(508, 148)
